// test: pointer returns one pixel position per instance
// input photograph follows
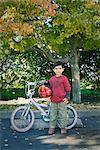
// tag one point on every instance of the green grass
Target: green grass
(12, 93)
(90, 92)
(91, 96)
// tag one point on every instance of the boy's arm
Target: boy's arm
(67, 95)
(67, 98)
(68, 90)
(67, 85)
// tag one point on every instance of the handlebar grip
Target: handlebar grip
(42, 81)
(31, 83)
(38, 82)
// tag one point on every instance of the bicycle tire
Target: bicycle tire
(72, 117)
(17, 121)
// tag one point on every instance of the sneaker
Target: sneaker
(63, 131)
(51, 130)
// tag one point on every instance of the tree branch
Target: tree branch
(50, 55)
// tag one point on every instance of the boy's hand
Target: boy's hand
(66, 101)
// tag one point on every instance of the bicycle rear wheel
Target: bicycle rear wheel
(71, 117)
(22, 119)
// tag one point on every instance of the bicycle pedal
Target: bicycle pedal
(46, 119)
(42, 114)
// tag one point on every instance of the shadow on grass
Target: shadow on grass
(91, 96)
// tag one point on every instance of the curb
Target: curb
(88, 113)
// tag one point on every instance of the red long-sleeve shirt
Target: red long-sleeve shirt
(60, 85)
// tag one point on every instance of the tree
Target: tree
(22, 67)
(89, 68)
(55, 29)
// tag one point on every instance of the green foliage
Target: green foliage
(5, 4)
(78, 18)
(18, 19)
(89, 69)
(12, 93)
(22, 67)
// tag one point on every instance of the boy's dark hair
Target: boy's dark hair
(58, 63)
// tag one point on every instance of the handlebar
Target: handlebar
(30, 91)
(35, 83)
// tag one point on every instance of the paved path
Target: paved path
(85, 138)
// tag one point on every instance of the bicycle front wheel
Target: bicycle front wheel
(22, 119)
(71, 117)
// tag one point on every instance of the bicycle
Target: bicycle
(22, 118)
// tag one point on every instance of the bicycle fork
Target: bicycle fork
(25, 112)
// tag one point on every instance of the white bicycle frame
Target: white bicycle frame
(32, 101)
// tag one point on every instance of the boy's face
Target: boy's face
(58, 70)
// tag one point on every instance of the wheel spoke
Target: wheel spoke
(22, 121)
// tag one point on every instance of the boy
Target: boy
(60, 96)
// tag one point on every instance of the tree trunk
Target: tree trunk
(76, 92)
